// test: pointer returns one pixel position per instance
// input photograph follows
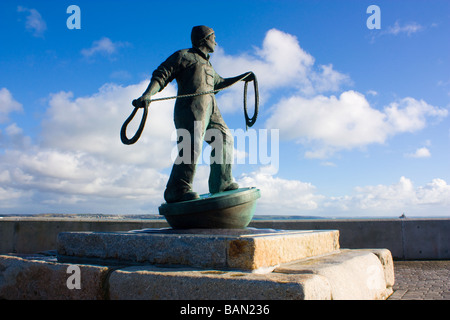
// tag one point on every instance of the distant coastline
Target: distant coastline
(138, 216)
(101, 216)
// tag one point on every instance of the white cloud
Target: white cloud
(7, 104)
(92, 125)
(14, 138)
(333, 122)
(13, 130)
(78, 174)
(420, 153)
(80, 160)
(410, 115)
(302, 198)
(408, 28)
(104, 46)
(325, 124)
(397, 29)
(34, 21)
(328, 79)
(39, 177)
(294, 196)
(329, 124)
(395, 199)
(279, 63)
(435, 192)
(7, 196)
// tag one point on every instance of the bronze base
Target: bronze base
(225, 210)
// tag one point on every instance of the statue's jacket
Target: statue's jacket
(194, 74)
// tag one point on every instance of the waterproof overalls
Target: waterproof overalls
(194, 74)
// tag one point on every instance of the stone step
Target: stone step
(258, 250)
(348, 274)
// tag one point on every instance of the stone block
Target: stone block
(153, 283)
(385, 257)
(352, 274)
(349, 274)
(25, 279)
(246, 249)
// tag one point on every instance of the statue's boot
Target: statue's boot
(232, 186)
(172, 197)
(179, 186)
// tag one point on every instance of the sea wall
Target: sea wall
(407, 239)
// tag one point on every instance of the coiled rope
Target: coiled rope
(248, 121)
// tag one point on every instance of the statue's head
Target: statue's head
(203, 36)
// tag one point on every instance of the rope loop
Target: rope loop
(137, 135)
(248, 121)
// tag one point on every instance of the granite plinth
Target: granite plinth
(256, 250)
(347, 274)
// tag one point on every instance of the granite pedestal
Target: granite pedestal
(256, 250)
(200, 264)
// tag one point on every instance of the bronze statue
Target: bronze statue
(197, 83)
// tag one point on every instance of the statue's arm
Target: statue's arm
(221, 83)
(153, 88)
(144, 100)
(161, 77)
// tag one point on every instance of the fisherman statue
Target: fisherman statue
(196, 109)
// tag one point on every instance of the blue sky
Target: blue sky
(362, 114)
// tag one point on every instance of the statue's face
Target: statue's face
(210, 42)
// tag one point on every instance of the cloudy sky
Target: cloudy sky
(353, 121)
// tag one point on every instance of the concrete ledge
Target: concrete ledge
(31, 235)
(407, 239)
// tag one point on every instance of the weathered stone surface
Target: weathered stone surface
(135, 283)
(254, 252)
(352, 274)
(250, 249)
(33, 279)
(349, 274)
(299, 265)
(385, 257)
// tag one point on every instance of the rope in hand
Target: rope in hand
(248, 121)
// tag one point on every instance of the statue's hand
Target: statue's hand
(141, 102)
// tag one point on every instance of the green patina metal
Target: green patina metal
(228, 210)
(196, 111)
